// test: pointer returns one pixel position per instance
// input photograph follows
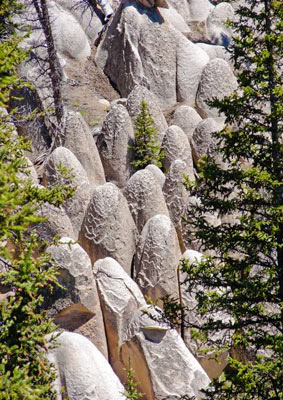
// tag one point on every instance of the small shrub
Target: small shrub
(131, 386)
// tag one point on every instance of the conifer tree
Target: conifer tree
(26, 271)
(147, 150)
(242, 278)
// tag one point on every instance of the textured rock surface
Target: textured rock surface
(199, 9)
(182, 7)
(77, 308)
(159, 350)
(191, 61)
(144, 197)
(120, 298)
(133, 334)
(78, 138)
(171, 15)
(113, 142)
(175, 194)
(218, 33)
(137, 95)
(157, 259)
(85, 15)
(157, 173)
(217, 81)
(69, 37)
(214, 51)
(58, 223)
(63, 157)
(108, 228)
(186, 118)
(74, 207)
(143, 54)
(177, 147)
(202, 140)
(83, 372)
(151, 53)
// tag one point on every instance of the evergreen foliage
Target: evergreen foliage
(242, 277)
(131, 386)
(146, 149)
(11, 55)
(26, 271)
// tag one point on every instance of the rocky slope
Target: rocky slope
(126, 227)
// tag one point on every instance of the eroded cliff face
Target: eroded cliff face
(122, 232)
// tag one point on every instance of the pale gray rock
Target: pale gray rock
(134, 335)
(187, 118)
(65, 158)
(202, 141)
(182, 7)
(77, 307)
(157, 351)
(199, 9)
(214, 51)
(157, 259)
(77, 205)
(144, 197)
(116, 136)
(57, 223)
(176, 195)
(144, 54)
(108, 228)
(191, 61)
(217, 81)
(120, 298)
(83, 373)
(173, 17)
(69, 37)
(105, 103)
(85, 15)
(139, 94)
(213, 366)
(157, 173)
(77, 137)
(177, 147)
(218, 32)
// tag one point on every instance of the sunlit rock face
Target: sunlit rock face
(152, 53)
(134, 334)
(157, 259)
(82, 371)
(114, 141)
(108, 229)
(76, 306)
(145, 197)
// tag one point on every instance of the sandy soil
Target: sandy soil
(86, 87)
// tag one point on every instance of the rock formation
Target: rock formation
(83, 371)
(157, 259)
(113, 142)
(126, 228)
(145, 197)
(108, 227)
(77, 307)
